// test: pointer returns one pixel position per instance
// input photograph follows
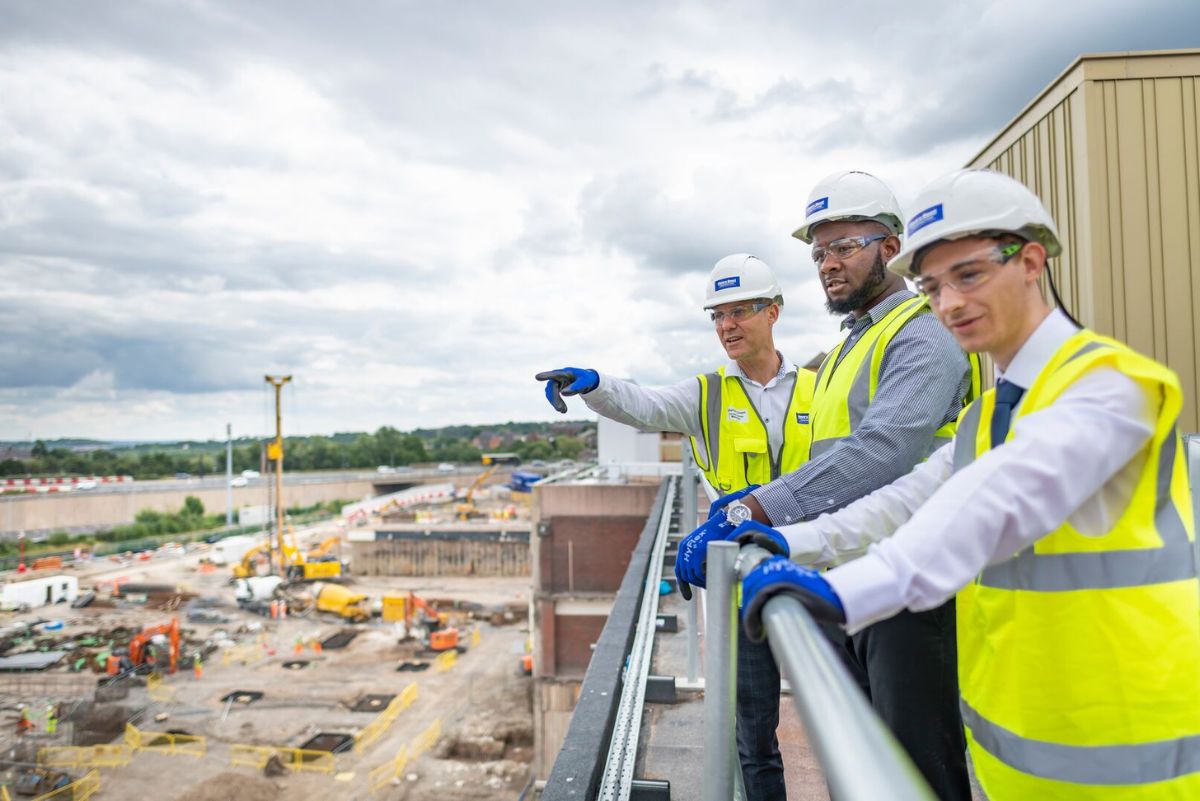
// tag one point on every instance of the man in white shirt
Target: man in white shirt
(749, 423)
(1059, 516)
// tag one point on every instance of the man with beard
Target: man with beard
(886, 398)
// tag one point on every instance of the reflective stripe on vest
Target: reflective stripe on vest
(1142, 763)
(865, 358)
(728, 467)
(1079, 657)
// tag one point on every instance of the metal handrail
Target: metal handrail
(860, 757)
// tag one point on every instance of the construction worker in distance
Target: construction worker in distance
(51, 719)
(1061, 517)
(886, 398)
(749, 423)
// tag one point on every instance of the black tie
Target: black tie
(1007, 395)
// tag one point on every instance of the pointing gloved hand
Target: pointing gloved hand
(567, 381)
(779, 575)
(754, 533)
(689, 561)
(725, 500)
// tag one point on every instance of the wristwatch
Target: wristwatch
(737, 513)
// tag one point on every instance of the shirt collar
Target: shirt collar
(1037, 351)
(786, 368)
(880, 309)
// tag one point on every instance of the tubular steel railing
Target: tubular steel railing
(861, 759)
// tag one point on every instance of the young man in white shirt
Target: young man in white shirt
(1059, 517)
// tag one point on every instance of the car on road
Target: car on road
(383, 468)
(249, 474)
(445, 467)
(238, 481)
(86, 485)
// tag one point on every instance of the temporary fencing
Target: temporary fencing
(298, 759)
(389, 771)
(427, 739)
(384, 720)
(80, 790)
(446, 660)
(162, 693)
(85, 756)
(164, 743)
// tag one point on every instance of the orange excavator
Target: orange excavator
(141, 651)
(437, 635)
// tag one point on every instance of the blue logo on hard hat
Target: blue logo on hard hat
(820, 204)
(728, 283)
(924, 218)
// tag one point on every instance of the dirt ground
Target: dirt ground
(483, 705)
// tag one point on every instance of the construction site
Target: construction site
(270, 666)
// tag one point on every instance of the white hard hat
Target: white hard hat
(850, 196)
(741, 277)
(973, 202)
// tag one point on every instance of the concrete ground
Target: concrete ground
(482, 703)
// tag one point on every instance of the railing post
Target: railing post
(720, 683)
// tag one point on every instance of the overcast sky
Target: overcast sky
(414, 207)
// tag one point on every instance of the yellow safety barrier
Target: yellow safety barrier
(88, 756)
(162, 693)
(373, 730)
(427, 739)
(446, 660)
(4, 796)
(163, 743)
(255, 756)
(299, 759)
(383, 775)
(474, 636)
(80, 790)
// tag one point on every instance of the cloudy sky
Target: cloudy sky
(414, 207)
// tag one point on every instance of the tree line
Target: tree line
(386, 446)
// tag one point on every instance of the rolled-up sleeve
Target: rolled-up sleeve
(675, 407)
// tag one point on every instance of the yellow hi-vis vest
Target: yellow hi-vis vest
(1079, 657)
(845, 390)
(737, 452)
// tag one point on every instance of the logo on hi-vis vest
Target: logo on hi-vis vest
(802, 418)
(728, 283)
(820, 204)
(924, 218)
(736, 415)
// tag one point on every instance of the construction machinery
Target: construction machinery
(466, 510)
(346, 604)
(430, 627)
(321, 552)
(296, 565)
(144, 651)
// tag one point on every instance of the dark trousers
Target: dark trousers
(906, 666)
(757, 719)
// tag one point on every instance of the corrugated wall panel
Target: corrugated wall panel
(1117, 163)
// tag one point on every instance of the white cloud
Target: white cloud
(413, 210)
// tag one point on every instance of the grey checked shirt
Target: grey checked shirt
(922, 379)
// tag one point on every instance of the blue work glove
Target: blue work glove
(779, 575)
(725, 500)
(567, 381)
(754, 533)
(689, 561)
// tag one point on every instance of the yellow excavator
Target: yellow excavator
(466, 510)
(297, 566)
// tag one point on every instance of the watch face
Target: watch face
(737, 512)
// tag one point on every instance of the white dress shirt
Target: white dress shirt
(677, 407)
(922, 538)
